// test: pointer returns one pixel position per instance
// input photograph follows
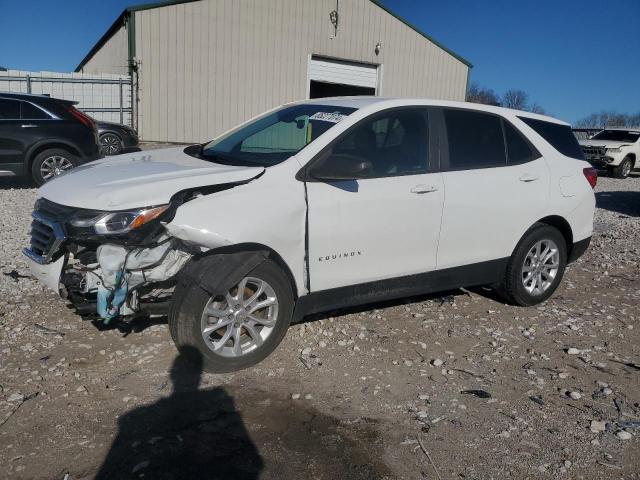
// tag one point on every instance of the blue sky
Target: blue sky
(573, 57)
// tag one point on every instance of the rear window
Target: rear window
(31, 112)
(559, 136)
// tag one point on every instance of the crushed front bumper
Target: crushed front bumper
(46, 273)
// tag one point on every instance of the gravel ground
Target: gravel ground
(551, 391)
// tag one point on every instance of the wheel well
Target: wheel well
(110, 132)
(47, 146)
(253, 247)
(632, 156)
(563, 226)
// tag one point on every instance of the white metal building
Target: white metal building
(200, 67)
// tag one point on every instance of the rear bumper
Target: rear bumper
(579, 248)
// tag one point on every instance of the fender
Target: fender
(52, 142)
(230, 268)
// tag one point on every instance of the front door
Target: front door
(387, 223)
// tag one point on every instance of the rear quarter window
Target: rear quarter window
(560, 137)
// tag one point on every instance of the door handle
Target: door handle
(28, 125)
(527, 177)
(424, 188)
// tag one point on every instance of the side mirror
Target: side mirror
(340, 166)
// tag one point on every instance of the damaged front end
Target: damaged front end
(108, 264)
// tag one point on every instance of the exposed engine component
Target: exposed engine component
(120, 280)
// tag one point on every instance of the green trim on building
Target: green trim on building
(128, 14)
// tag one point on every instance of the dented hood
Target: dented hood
(140, 179)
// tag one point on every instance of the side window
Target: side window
(475, 140)
(395, 143)
(31, 112)
(9, 109)
(518, 149)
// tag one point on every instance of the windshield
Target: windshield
(617, 136)
(273, 138)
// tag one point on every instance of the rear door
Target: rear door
(496, 184)
(387, 224)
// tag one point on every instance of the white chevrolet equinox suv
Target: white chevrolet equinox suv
(314, 206)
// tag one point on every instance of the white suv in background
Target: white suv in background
(616, 149)
(313, 206)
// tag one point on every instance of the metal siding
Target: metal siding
(112, 57)
(209, 65)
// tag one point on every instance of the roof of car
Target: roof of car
(32, 97)
(366, 101)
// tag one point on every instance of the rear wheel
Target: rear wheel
(536, 267)
(624, 169)
(238, 328)
(50, 163)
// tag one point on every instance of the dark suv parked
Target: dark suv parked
(116, 138)
(43, 136)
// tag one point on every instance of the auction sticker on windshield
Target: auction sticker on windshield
(327, 117)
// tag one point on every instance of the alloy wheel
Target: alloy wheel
(53, 166)
(540, 267)
(110, 144)
(239, 322)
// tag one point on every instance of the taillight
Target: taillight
(84, 118)
(591, 174)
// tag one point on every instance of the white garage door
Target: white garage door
(343, 72)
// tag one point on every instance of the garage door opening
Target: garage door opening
(324, 89)
(337, 78)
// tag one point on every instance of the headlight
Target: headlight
(119, 222)
(614, 150)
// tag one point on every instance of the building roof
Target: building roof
(119, 22)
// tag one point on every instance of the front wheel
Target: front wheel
(237, 328)
(624, 169)
(536, 267)
(50, 163)
(110, 144)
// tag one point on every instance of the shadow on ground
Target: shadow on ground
(18, 183)
(626, 203)
(237, 433)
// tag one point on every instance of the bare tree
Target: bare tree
(513, 98)
(535, 108)
(478, 94)
(516, 99)
(609, 119)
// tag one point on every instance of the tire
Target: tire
(624, 169)
(514, 287)
(187, 319)
(50, 163)
(111, 144)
